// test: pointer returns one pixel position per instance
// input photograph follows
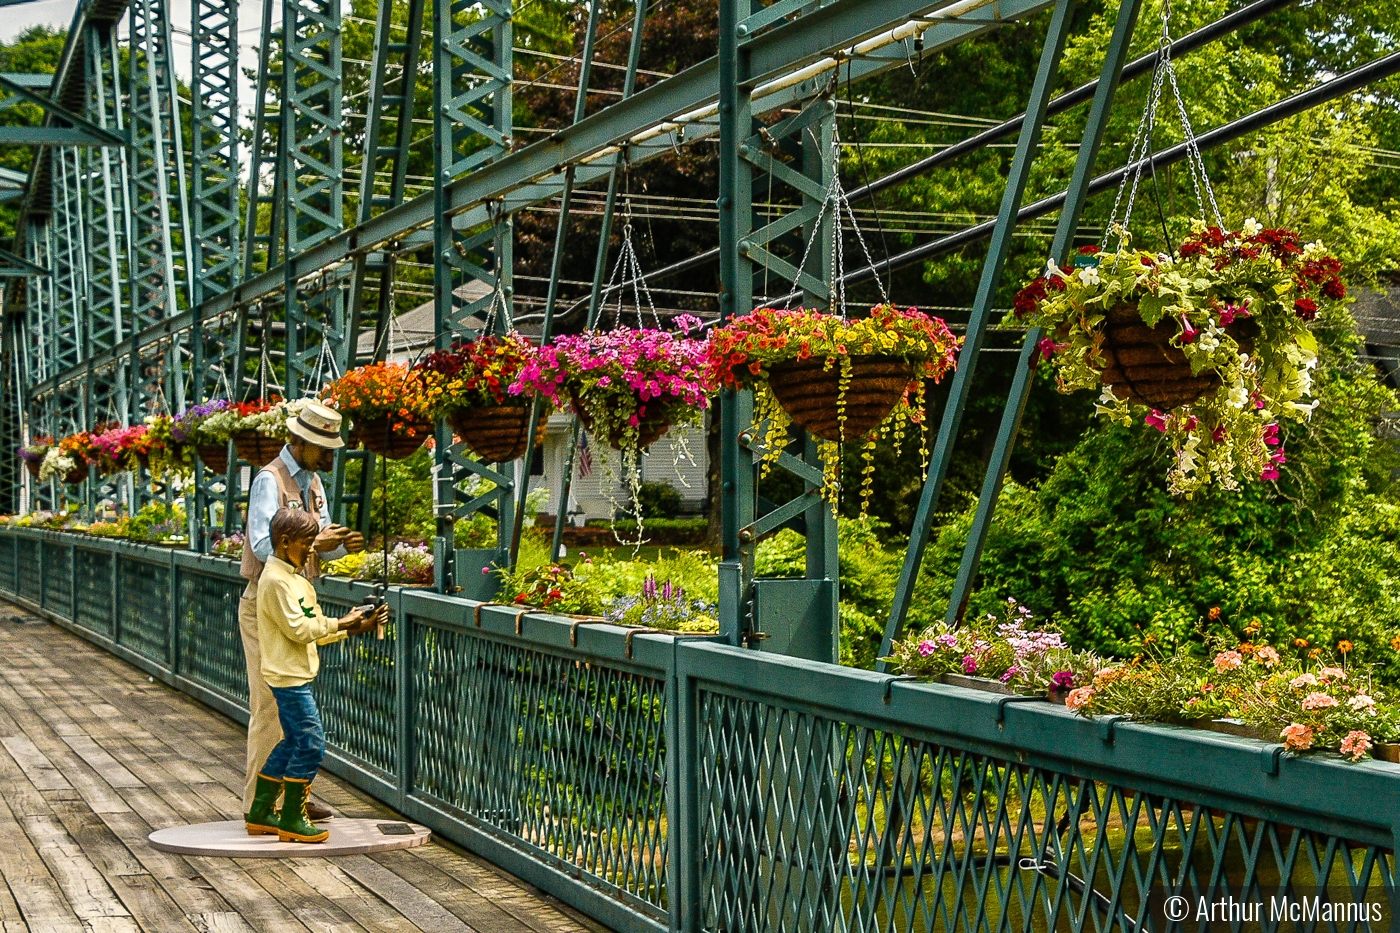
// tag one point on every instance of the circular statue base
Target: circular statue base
(348, 837)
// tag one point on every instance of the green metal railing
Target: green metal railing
(660, 782)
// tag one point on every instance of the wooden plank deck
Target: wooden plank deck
(94, 755)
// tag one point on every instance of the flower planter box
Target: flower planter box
(985, 684)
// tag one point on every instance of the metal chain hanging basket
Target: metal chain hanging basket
(810, 393)
(496, 434)
(653, 427)
(377, 436)
(255, 448)
(1143, 366)
(214, 457)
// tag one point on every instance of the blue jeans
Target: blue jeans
(303, 744)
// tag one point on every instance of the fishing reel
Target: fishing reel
(377, 598)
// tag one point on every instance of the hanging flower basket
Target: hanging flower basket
(841, 380)
(628, 386)
(649, 430)
(32, 454)
(256, 448)
(474, 379)
(396, 440)
(1211, 346)
(497, 434)
(810, 393)
(77, 474)
(390, 406)
(214, 457)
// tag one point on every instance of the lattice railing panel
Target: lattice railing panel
(813, 823)
(568, 756)
(210, 642)
(94, 607)
(357, 693)
(58, 579)
(143, 607)
(27, 553)
(7, 564)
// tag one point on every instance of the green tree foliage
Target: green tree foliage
(34, 51)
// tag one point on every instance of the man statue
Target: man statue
(290, 481)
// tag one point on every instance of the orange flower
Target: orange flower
(1345, 646)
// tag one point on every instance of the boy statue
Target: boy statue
(290, 626)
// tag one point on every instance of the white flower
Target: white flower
(1186, 456)
(1239, 396)
(1053, 268)
(1314, 249)
(1251, 227)
(1089, 275)
(1208, 342)
(1304, 410)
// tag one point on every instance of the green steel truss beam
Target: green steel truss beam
(17, 266)
(311, 155)
(383, 174)
(262, 237)
(215, 224)
(472, 77)
(79, 132)
(105, 195)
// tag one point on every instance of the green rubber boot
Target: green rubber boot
(293, 825)
(262, 817)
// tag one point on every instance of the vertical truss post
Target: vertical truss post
(795, 153)
(214, 151)
(383, 173)
(311, 153)
(261, 249)
(160, 238)
(1026, 146)
(1060, 250)
(69, 269)
(735, 298)
(472, 76)
(105, 196)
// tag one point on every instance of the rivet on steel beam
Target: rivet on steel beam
(745, 439)
(745, 247)
(741, 30)
(746, 535)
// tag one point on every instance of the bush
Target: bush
(658, 500)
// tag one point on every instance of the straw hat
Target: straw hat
(318, 425)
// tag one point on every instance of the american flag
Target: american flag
(585, 456)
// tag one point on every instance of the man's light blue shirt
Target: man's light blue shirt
(263, 501)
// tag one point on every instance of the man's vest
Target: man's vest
(288, 494)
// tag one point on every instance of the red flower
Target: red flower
(1306, 308)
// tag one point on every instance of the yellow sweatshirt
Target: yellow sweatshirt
(290, 626)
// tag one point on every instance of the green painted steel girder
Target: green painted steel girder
(15, 266)
(524, 176)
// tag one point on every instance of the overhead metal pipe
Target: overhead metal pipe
(1085, 92)
(1082, 94)
(1339, 86)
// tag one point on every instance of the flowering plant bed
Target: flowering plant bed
(1210, 346)
(409, 563)
(390, 406)
(664, 606)
(1253, 689)
(1002, 654)
(230, 546)
(841, 380)
(475, 380)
